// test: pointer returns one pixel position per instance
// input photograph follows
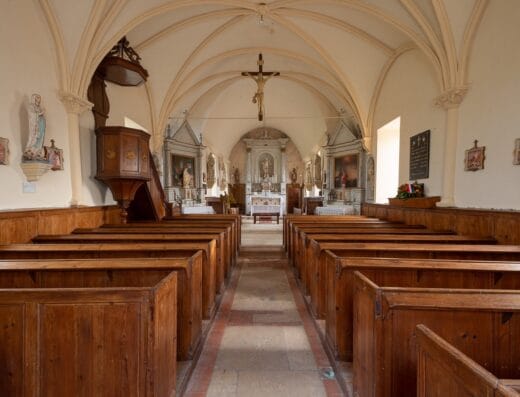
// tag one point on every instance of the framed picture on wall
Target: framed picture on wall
(474, 159)
(516, 153)
(179, 163)
(346, 171)
(54, 156)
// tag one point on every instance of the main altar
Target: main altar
(266, 174)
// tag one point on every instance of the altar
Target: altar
(267, 205)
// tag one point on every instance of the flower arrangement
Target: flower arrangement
(410, 190)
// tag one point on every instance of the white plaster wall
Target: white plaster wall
(408, 92)
(27, 66)
(491, 114)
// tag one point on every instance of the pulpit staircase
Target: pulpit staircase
(150, 202)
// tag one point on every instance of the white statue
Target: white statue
(187, 179)
(265, 168)
(34, 149)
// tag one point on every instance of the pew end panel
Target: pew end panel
(89, 341)
(443, 370)
(385, 319)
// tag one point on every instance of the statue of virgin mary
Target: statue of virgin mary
(34, 149)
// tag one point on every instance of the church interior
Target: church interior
(239, 198)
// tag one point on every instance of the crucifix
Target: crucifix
(260, 78)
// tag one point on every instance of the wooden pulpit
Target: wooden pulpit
(123, 162)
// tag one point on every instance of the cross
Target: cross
(260, 78)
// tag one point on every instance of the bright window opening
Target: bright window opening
(387, 172)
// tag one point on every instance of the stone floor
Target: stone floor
(263, 341)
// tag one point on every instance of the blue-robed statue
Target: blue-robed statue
(34, 150)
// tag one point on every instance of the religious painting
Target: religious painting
(516, 158)
(266, 166)
(474, 158)
(180, 164)
(4, 151)
(54, 157)
(346, 171)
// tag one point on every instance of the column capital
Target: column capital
(452, 97)
(73, 103)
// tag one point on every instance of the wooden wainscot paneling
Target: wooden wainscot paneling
(504, 226)
(21, 226)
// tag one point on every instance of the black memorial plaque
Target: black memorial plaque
(420, 156)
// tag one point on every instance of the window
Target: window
(387, 171)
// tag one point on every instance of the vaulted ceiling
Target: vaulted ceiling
(333, 56)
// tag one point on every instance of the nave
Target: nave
(263, 341)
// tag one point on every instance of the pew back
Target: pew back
(399, 272)
(484, 324)
(91, 340)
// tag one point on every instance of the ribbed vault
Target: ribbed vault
(333, 56)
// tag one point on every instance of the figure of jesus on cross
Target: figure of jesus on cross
(260, 78)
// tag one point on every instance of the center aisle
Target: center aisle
(263, 341)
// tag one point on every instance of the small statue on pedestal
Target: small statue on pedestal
(294, 176)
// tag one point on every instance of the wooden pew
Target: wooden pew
(236, 219)
(189, 278)
(310, 221)
(292, 236)
(224, 254)
(81, 332)
(484, 324)
(137, 238)
(121, 249)
(304, 237)
(402, 272)
(190, 286)
(314, 276)
(229, 239)
(443, 370)
(203, 218)
(289, 220)
(302, 233)
(233, 233)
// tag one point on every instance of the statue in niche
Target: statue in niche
(371, 178)
(34, 150)
(4, 151)
(210, 169)
(223, 176)
(266, 164)
(236, 176)
(294, 176)
(187, 177)
(308, 177)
